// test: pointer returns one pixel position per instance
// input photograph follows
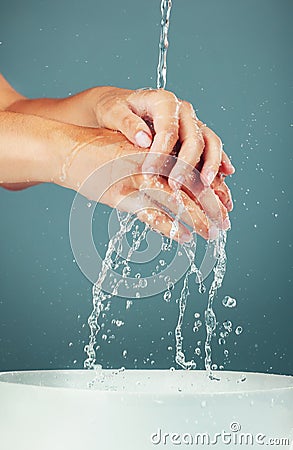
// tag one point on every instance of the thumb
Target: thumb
(133, 127)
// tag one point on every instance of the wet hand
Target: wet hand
(113, 168)
(125, 110)
(131, 112)
(173, 121)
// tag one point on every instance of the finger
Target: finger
(163, 223)
(150, 212)
(178, 204)
(132, 126)
(209, 202)
(226, 167)
(192, 145)
(212, 156)
(201, 206)
(223, 192)
(204, 213)
(214, 209)
(162, 107)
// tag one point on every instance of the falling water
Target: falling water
(114, 260)
(166, 6)
(210, 317)
(99, 296)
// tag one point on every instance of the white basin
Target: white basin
(144, 409)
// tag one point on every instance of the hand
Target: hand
(41, 150)
(112, 167)
(127, 111)
(132, 112)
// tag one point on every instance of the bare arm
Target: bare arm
(74, 110)
(34, 150)
(124, 110)
(29, 148)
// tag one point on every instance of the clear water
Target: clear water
(210, 317)
(114, 260)
(99, 295)
(166, 6)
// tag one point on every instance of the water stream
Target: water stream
(114, 260)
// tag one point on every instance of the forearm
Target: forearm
(30, 148)
(77, 110)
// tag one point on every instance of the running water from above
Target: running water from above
(128, 225)
(166, 6)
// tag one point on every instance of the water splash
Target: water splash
(99, 296)
(114, 250)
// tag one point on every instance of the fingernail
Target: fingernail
(226, 224)
(229, 205)
(142, 139)
(213, 232)
(208, 177)
(185, 237)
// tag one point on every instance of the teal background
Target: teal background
(232, 60)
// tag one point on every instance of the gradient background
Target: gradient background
(231, 59)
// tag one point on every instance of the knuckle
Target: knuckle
(173, 135)
(169, 136)
(167, 97)
(218, 142)
(170, 96)
(127, 122)
(188, 108)
(194, 140)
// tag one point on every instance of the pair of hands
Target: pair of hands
(154, 122)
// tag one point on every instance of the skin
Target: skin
(42, 136)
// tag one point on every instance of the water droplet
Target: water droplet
(167, 296)
(143, 283)
(228, 326)
(229, 302)
(129, 303)
(197, 325)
